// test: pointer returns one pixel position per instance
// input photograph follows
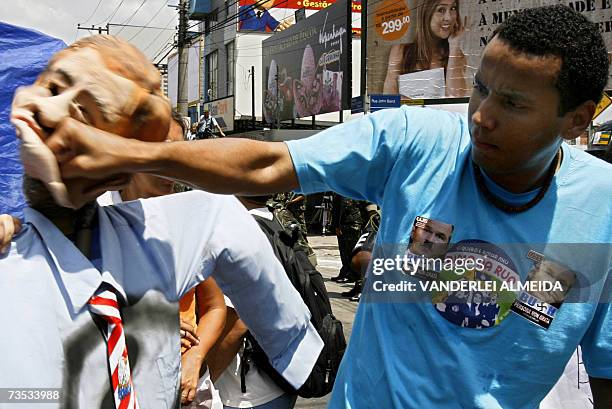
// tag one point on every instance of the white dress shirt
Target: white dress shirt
(153, 251)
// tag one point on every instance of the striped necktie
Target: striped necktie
(104, 305)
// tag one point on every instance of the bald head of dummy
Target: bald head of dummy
(100, 81)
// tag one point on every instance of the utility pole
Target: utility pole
(183, 56)
(253, 95)
(277, 105)
(363, 86)
(99, 29)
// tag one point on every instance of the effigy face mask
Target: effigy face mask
(100, 81)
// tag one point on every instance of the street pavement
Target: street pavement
(328, 259)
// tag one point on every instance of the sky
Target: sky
(59, 18)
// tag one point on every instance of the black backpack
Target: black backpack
(309, 284)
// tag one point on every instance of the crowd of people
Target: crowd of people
(94, 291)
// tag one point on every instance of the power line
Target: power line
(169, 43)
(149, 22)
(169, 51)
(226, 7)
(93, 12)
(132, 15)
(112, 14)
(159, 34)
(138, 26)
(169, 46)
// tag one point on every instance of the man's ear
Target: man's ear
(578, 120)
(151, 120)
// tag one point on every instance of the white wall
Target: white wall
(193, 74)
(173, 79)
(248, 53)
(193, 77)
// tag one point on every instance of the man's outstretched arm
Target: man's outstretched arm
(237, 166)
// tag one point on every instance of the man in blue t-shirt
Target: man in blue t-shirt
(518, 199)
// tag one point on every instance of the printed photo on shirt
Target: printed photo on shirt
(475, 287)
(427, 246)
(548, 284)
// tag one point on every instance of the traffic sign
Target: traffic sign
(357, 104)
(380, 101)
(604, 103)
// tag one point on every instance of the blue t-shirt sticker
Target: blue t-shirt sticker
(475, 287)
(547, 286)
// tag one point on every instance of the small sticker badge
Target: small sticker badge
(429, 241)
(546, 288)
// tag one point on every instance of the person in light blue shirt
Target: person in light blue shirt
(517, 197)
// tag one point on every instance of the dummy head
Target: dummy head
(101, 81)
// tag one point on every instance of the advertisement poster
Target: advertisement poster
(306, 67)
(423, 49)
(276, 15)
(223, 111)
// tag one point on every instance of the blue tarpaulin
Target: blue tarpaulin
(23, 55)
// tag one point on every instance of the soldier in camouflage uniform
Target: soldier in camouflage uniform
(348, 220)
(362, 252)
(296, 204)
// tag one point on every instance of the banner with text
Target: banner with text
(277, 15)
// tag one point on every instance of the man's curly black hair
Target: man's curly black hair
(560, 31)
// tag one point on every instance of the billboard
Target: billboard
(402, 61)
(275, 15)
(222, 110)
(306, 67)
